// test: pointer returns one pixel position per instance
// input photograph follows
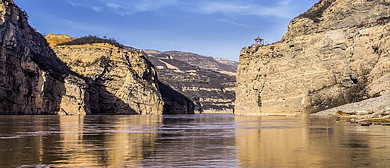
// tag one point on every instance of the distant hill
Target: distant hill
(233, 64)
(209, 83)
(211, 91)
(219, 64)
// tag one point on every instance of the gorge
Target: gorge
(94, 76)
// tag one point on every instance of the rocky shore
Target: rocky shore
(371, 110)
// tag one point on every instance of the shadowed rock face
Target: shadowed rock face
(336, 53)
(32, 79)
(175, 102)
(212, 91)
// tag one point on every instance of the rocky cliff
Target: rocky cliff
(32, 79)
(335, 53)
(121, 81)
(104, 77)
(211, 90)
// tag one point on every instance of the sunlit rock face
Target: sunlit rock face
(333, 54)
(32, 79)
(122, 80)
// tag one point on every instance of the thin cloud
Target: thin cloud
(97, 9)
(124, 7)
(232, 22)
(281, 8)
(214, 7)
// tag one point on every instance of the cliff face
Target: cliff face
(212, 91)
(124, 82)
(121, 81)
(32, 79)
(335, 53)
(103, 78)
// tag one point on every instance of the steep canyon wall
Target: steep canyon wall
(335, 53)
(93, 78)
(32, 79)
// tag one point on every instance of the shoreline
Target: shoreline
(370, 110)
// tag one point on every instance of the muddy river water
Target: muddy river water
(202, 140)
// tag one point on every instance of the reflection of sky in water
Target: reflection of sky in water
(193, 140)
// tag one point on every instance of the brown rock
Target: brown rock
(32, 79)
(336, 53)
(124, 82)
(55, 39)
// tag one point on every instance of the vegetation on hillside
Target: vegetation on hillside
(90, 39)
(317, 10)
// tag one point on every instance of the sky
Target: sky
(217, 28)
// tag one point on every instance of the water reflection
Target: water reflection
(108, 141)
(271, 142)
(194, 140)
(310, 142)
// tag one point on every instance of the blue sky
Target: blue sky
(217, 28)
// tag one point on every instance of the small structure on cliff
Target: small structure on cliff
(259, 40)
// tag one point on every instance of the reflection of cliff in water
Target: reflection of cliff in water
(309, 142)
(108, 140)
(201, 140)
(189, 140)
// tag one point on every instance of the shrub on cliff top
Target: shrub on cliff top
(90, 39)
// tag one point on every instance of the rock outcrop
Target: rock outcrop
(55, 39)
(32, 79)
(211, 90)
(103, 78)
(335, 53)
(121, 81)
(124, 82)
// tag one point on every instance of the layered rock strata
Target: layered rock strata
(32, 79)
(220, 65)
(103, 78)
(335, 53)
(212, 91)
(122, 81)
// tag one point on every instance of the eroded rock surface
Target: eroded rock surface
(124, 82)
(32, 79)
(122, 79)
(335, 53)
(103, 78)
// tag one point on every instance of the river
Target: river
(201, 140)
